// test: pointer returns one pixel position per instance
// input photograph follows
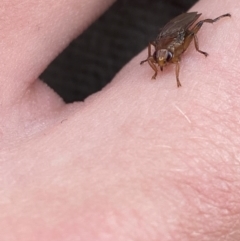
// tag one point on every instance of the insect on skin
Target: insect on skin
(173, 40)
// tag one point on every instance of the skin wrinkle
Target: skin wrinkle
(219, 151)
(208, 211)
(218, 116)
(194, 185)
(196, 195)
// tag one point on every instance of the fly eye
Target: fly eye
(169, 56)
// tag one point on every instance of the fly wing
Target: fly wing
(179, 23)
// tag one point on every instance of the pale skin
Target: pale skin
(140, 160)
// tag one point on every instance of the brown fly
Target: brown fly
(173, 39)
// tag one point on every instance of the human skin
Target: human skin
(140, 160)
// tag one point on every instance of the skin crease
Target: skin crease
(140, 160)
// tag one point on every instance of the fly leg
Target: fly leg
(177, 73)
(197, 46)
(208, 20)
(151, 60)
(149, 53)
(197, 27)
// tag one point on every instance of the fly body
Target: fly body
(173, 40)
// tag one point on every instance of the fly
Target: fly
(173, 40)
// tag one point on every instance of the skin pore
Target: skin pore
(140, 160)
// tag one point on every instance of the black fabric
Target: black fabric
(92, 60)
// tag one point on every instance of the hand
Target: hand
(140, 160)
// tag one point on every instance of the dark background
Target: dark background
(92, 60)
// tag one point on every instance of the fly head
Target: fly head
(162, 57)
